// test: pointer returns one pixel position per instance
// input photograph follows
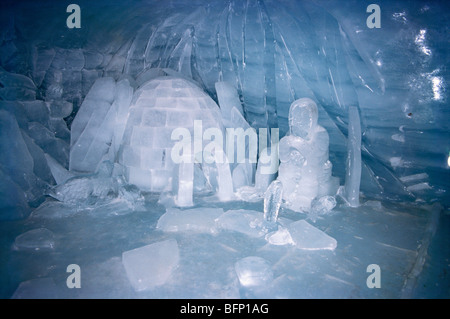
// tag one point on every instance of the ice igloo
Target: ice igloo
(158, 107)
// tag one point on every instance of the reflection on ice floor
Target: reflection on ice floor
(394, 236)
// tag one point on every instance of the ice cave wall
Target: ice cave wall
(273, 52)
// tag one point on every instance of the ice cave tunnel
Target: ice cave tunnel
(224, 149)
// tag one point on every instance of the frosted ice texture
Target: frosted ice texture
(305, 170)
(151, 266)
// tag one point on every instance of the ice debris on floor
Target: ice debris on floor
(248, 222)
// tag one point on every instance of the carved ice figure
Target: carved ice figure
(305, 170)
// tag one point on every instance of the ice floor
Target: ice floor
(397, 237)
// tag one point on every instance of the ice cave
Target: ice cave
(215, 149)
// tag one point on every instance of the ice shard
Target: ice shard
(272, 201)
(228, 99)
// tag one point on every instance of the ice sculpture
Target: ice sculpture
(159, 107)
(305, 170)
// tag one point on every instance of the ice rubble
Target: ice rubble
(251, 223)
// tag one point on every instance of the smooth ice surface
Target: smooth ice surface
(253, 271)
(197, 220)
(151, 266)
(39, 288)
(353, 177)
(307, 237)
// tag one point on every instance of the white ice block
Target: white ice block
(253, 271)
(150, 266)
(198, 220)
(353, 172)
(307, 237)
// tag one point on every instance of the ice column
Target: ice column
(272, 201)
(353, 174)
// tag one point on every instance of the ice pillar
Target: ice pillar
(353, 169)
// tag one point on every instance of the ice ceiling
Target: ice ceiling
(272, 52)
